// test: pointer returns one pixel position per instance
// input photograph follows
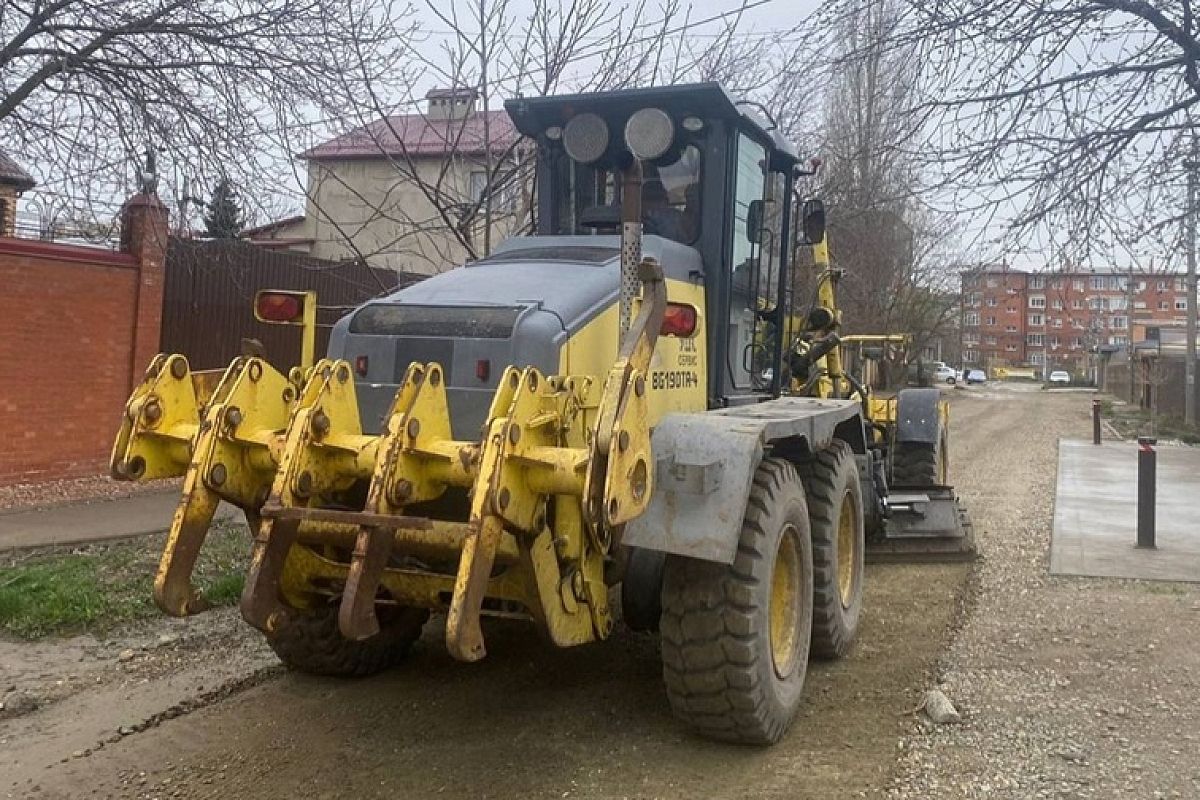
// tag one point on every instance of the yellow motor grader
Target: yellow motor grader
(587, 408)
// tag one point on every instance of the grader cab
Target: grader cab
(602, 404)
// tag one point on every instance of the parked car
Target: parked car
(946, 374)
(976, 376)
(1060, 376)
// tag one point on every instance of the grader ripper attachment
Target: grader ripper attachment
(663, 417)
(290, 455)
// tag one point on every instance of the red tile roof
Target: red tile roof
(12, 174)
(420, 136)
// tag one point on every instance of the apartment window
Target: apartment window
(1056, 283)
(971, 356)
(1057, 322)
(1012, 348)
(1077, 342)
(1054, 343)
(1141, 286)
(1011, 290)
(1115, 303)
(1181, 284)
(1010, 328)
(1037, 282)
(1058, 305)
(1162, 286)
(1077, 284)
(1181, 304)
(1077, 304)
(1097, 283)
(1138, 304)
(989, 340)
(971, 319)
(992, 302)
(1095, 303)
(992, 283)
(1035, 339)
(1037, 358)
(989, 320)
(1118, 340)
(1163, 305)
(1120, 323)
(1035, 319)
(1037, 301)
(1077, 323)
(1011, 309)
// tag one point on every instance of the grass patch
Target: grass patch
(1131, 421)
(97, 587)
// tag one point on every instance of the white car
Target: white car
(1060, 376)
(976, 376)
(946, 374)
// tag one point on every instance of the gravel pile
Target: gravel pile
(74, 490)
(1067, 688)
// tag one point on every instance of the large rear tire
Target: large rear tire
(309, 641)
(735, 637)
(835, 513)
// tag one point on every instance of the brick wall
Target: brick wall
(77, 326)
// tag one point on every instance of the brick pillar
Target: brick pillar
(144, 236)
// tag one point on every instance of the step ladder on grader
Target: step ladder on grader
(663, 420)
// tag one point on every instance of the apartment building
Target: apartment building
(1057, 319)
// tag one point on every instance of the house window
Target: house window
(1035, 340)
(1035, 319)
(1037, 282)
(1120, 323)
(1077, 284)
(1037, 301)
(1181, 304)
(971, 319)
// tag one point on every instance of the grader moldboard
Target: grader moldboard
(601, 404)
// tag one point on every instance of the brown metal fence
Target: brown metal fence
(209, 291)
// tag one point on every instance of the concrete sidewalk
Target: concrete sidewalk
(94, 521)
(1095, 513)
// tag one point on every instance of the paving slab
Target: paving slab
(93, 521)
(1095, 513)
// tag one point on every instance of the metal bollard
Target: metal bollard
(1095, 422)
(1146, 465)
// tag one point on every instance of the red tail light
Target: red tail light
(360, 365)
(483, 369)
(679, 320)
(271, 306)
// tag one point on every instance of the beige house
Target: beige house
(408, 192)
(14, 181)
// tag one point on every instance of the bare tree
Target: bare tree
(85, 87)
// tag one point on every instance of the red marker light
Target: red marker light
(679, 320)
(360, 365)
(278, 306)
(483, 369)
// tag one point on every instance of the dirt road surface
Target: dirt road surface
(529, 721)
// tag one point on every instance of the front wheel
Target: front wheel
(310, 641)
(735, 637)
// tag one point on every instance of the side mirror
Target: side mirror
(754, 221)
(812, 221)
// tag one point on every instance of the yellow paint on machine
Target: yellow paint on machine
(678, 376)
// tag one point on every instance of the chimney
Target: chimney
(456, 103)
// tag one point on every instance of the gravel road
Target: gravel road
(1065, 686)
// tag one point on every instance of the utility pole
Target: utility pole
(1189, 369)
